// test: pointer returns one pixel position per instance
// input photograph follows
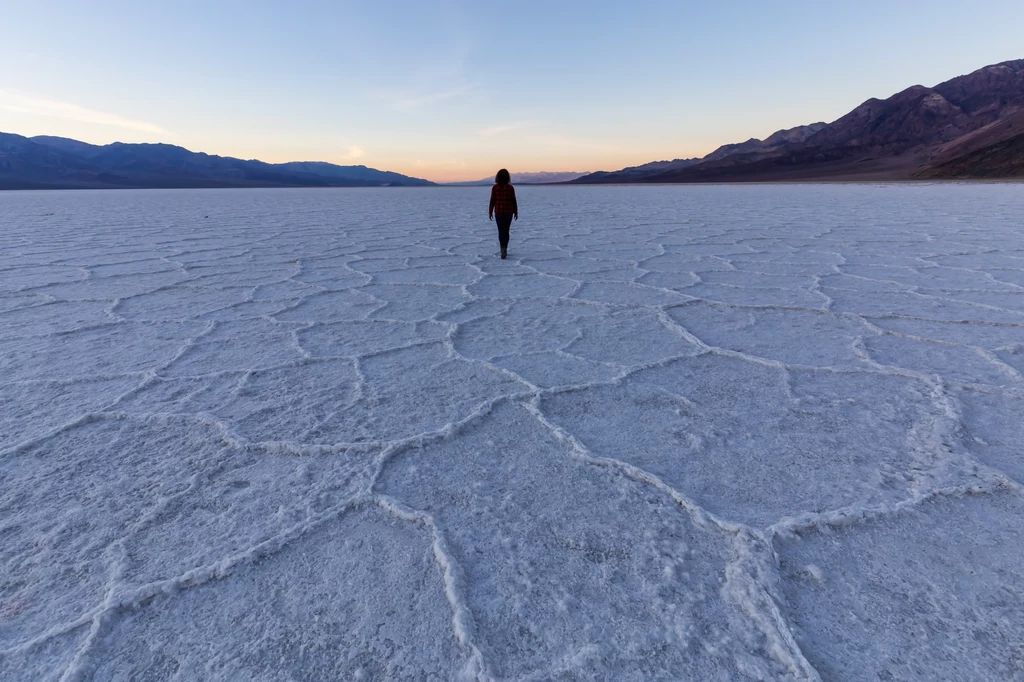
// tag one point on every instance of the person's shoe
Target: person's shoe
(504, 254)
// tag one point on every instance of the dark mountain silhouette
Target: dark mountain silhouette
(59, 163)
(967, 127)
(83, 149)
(24, 163)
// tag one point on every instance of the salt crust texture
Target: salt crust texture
(710, 433)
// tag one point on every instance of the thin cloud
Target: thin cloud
(37, 106)
(580, 143)
(408, 103)
(354, 152)
(499, 129)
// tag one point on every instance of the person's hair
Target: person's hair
(503, 178)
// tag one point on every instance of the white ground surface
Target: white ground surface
(707, 433)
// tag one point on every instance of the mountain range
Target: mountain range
(969, 127)
(46, 162)
(537, 178)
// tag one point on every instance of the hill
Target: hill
(47, 162)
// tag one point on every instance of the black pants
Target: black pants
(504, 222)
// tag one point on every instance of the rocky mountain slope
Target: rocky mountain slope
(965, 127)
(995, 151)
(774, 141)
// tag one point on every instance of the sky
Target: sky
(454, 90)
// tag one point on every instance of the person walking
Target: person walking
(504, 206)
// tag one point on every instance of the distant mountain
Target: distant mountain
(967, 127)
(637, 172)
(47, 162)
(772, 142)
(538, 178)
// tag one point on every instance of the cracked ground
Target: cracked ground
(715, 433)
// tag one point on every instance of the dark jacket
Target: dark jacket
(503, 200)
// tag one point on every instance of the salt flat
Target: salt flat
(709, 433)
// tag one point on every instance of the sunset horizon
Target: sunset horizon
(433, 91)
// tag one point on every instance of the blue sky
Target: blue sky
(453, 90)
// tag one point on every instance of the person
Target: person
(504, 206)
